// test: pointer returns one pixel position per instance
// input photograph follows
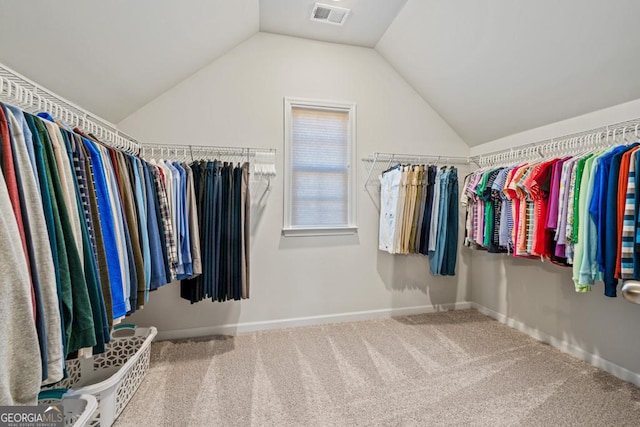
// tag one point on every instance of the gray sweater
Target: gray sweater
(42, 253)
(20, 370)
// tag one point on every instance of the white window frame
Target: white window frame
(351, 227)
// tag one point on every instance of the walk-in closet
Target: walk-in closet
(319, 213)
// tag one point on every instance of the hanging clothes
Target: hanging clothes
(39, 250)
(418, 203)
(390, 182)
(20, 347)
(89, 231)
(578, 211)
(222, 202)
(72, 208)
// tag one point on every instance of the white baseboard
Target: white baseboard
(230, 329)
(563, 345)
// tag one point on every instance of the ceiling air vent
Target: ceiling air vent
(329, 14)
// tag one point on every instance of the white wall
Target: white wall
(596, 119)
(540, 297)
(238, 100)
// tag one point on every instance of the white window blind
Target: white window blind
(320, 178)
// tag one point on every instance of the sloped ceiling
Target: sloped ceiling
(492, 68)
(112, 57)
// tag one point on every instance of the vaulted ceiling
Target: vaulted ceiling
(492, 68)
(112, 57)
(489, 67)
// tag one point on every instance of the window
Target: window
(319, 173)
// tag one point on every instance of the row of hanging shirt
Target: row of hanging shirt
(579, 211)
(419, 214)
(86, 232)
(204, 206)
(72, 215)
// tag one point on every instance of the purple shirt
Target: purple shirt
(554, 194)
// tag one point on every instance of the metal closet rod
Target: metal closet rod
(204, 149)
(392, 158)
(32, 97)
(567, 144)
(415, 158)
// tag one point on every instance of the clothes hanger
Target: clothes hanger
(570, 144)
(629, 139)
(566, 147)
(583, 148)
(488, 162)
(571, 147)
(611, 140)
(396, 166)
(534, 155)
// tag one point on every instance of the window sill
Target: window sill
(329, 231)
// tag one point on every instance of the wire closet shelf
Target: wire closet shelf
(18, 90)
(376, 163)
(262, 160)
(602, 137)
(198, 152)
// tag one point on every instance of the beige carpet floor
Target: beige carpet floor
(452, 368)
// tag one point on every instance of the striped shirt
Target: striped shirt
(629, 220)
(498, 186)
(524, 217)
(165, 214)
(511, 213)
(496, 197)
(83, 191)
(477, 208)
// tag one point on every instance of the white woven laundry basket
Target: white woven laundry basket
(113, 376)
(78, 410)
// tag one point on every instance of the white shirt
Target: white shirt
(389, 192)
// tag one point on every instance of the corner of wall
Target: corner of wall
(413, 88)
